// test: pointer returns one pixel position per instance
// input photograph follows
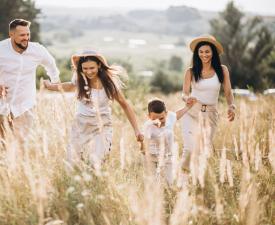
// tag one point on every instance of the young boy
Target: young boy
(159, 136)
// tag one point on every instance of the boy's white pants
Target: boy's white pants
(162, 168)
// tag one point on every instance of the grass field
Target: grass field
(235, 186)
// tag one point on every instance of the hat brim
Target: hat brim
(75, 59)
(196, 41)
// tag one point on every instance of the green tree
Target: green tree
(25, 9)
(268, 69)
(247, 45)
(166, 82)
(175, 63)
(259, 61)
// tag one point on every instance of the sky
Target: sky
(266, 7)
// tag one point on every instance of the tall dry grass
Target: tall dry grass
(235, 185)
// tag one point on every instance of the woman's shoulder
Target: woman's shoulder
(188, 71)
(224, 68)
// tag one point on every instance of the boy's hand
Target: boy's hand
(156, 122)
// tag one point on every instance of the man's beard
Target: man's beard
(21, 46)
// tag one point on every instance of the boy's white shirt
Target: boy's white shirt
(155, 135)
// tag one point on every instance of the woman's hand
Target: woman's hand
(190, 101)
(231, 113)
(139, 136)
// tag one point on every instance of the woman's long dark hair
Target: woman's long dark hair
(104, 74)
(215, 62)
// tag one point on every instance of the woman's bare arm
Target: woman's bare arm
(65, 86)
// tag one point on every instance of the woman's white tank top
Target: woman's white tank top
(206, 90)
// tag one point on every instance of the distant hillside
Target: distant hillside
(181, 20)
(176, 20)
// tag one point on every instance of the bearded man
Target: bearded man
(19, 59)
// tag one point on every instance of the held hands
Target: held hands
(47, 84)
(52, 86)
(140, 138)
(190, 101)
(3, 91)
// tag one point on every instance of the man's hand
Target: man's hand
(47, 84)
(3, 91)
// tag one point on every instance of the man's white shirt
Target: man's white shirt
(18, 73)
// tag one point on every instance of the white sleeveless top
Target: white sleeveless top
(206, 90)
(100, 103)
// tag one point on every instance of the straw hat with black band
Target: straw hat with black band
(206, 38)
(85, 53)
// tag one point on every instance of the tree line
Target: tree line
(248, 44)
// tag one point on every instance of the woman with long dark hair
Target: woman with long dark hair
(204, 79)
(97, 85)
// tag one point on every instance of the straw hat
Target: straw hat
(207, 38)
(75, 58)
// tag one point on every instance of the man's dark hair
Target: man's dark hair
(19, 22)
(156, 106)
